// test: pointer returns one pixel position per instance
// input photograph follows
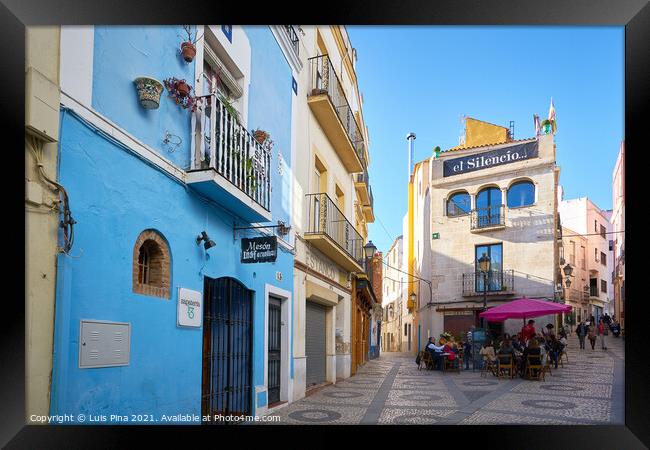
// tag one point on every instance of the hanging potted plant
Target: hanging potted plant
(188, 46)
(263, 138)
(149, 92)
(181, 92)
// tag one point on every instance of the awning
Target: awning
(524, 308)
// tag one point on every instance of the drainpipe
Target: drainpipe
(411, 256)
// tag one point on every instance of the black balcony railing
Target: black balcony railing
(497, 281)
(372, 200)
(491, 216)
(326, 218)
(293, 37)
(325, 81)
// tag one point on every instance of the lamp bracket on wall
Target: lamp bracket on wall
(282, 229)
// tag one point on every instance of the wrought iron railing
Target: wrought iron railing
(497, 281)
(293, 37)
(491, 216)
(372, 200)
(593, 291)
(326, 218)
(325, 81)
(576, 295)
(227, 147)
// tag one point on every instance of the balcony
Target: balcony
(490, 218)
(229, 166)
(576, 296)
(331, 233)
(327, 101)
(362, 185)
(293, 38)
(368, 210)
(499, 282)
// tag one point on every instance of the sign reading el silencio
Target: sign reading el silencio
(486, 160)
(189, 311)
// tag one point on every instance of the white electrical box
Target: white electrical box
(42, 103)
(104, 344)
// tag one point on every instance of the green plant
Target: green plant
(229, 107)
(250, 177)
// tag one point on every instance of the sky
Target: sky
(423, 79)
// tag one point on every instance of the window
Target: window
(603, 286)
(603, 259)
(151, 265)
(596, 254)
(572, 255)
(603, 232)
(596, 226)
(495, 275)
(582, 257)
(405, 329)
(521, 193)
(488, 207)
(459, 204)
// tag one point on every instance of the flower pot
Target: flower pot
(183, 88)
(149, 91)
(189, 51)
(261, 136)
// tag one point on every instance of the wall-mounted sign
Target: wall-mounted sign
(259, 249)
(190, 308)
(486, 160)
(435, 235)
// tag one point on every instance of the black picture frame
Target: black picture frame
(16, 14)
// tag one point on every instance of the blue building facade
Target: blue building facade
(143, 187)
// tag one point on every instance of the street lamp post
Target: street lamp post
(484, 266)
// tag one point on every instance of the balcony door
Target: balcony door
(488, 207)
(495, 275)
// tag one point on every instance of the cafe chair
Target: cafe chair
(488, 367)
(565, 356)
(426, 360)
(506, 363)
(534, 368)
(547, 365)
(452, 365)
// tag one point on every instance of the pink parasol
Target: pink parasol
(523, 308)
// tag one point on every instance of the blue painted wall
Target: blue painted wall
(123, 53)
(115, 196)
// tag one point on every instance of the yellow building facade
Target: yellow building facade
(41, 211)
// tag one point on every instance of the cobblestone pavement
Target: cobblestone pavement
(391, 390)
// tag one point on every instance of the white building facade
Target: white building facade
(497, 201)
(585, 218)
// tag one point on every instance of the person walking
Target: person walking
(591, 333)
(602, 332)
(581, 331)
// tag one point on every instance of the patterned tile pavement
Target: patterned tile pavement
(391, 390)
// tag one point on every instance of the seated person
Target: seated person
(449, 349)
(487, 353)
(518, 344)
(532, 349)
(506, 349)
(435, 351)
